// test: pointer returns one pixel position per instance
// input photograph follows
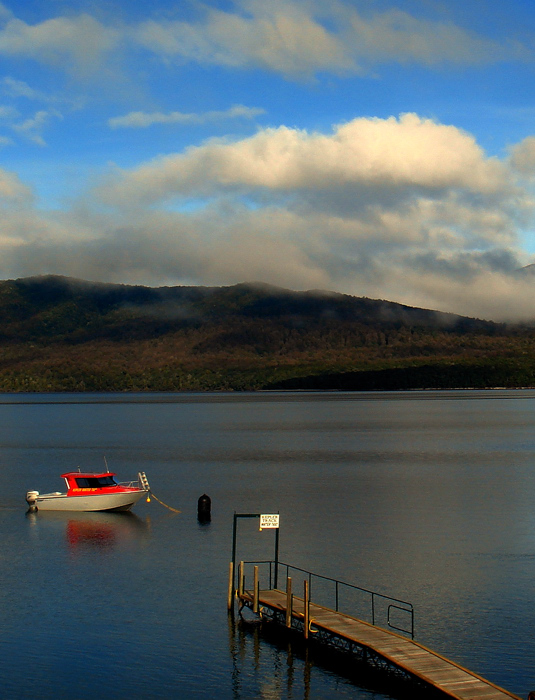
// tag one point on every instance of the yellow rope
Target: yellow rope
(164, 504)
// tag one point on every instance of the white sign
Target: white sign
(269, 522)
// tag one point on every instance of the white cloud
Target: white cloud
(5, 13)
(33, 127)
(7, 112)
(19, 91)
(138, 120)
(12, 190)
(486, 293)
(396, 35)
(18, 88)
(386, 154)
(523, 157)
(291, 38)
(282, 37)
(225, 245)
(404, 209)
(300, 39)
(73, 43)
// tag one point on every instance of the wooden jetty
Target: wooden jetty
(380, 647)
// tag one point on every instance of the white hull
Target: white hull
(97, 502)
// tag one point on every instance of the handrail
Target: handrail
(393, 603)
(394, 627)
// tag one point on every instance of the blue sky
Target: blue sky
(383, 149)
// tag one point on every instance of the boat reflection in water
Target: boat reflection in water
(100, 530)
(103, 530)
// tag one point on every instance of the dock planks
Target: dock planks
(452, 680)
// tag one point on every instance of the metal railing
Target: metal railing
(338, 594)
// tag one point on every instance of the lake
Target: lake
(424, 496)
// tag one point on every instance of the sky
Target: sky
(378, 148)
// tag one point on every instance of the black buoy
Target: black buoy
(204, 509)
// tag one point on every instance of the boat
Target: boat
(91, 491)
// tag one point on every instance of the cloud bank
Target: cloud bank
(297, 39)
(294, 39)
(399, 155)
(406, 209)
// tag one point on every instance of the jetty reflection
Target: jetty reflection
(92, 530)
(256, 645)
(251, 648)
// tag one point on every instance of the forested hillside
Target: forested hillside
(60, 334)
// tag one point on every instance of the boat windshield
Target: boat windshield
(93, 482)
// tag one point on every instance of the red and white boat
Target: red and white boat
(91, 491)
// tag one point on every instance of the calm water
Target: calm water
(428, 497)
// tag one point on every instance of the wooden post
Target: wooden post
(230, 586)
(276, 579)
(289, 601)
(306, 611)
(256, 590)
(241, 578)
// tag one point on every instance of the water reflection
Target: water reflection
(102, 531)
(283, 665)
(249, 653)
(428, 497)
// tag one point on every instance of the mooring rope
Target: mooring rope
(162, 503)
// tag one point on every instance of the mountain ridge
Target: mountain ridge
(251, 298)
(65, 334)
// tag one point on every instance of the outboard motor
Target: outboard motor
(31, 500)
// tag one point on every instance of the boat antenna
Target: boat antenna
(106, 463)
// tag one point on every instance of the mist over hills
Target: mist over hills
(55, 306)
(63, 334)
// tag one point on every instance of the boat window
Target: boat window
(106, 481)
(94, 482)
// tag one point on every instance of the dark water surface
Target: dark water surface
(425, 496)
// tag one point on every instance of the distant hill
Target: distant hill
(62, 334)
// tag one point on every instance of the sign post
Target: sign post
(268, 521)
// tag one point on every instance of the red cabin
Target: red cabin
(86, 483)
